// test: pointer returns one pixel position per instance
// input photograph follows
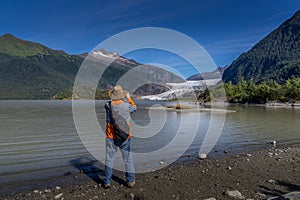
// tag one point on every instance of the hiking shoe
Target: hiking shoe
(107, 186)
(131, 184)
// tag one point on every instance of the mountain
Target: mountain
(30, 70)
(154, 77)
(216, 74)
(275, 57)
(13, 46)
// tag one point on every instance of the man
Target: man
(123, 105)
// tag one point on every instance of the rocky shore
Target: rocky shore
(267, 173)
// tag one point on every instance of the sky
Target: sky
(224, 28)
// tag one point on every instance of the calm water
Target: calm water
(38, 138)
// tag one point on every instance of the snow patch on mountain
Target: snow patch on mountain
(104, 53)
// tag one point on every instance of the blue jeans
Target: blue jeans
(111, 150)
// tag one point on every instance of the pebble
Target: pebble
(229, 168)
(161, 162)
(202, 156)
(47, 191)
(131, 196)
(271, 181)
(248, 155)
(261, 195)
(234, 194)
(36, 191)
(210, 198)
(273, 142)
(57, 187)
(58, 196)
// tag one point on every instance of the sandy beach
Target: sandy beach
(258, 174)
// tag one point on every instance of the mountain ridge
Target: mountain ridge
(14, 46)
(275, 57)
(30, 70)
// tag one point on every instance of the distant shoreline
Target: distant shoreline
(268, 104)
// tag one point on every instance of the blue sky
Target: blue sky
(225, 28)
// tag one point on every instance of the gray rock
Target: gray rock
(235, 194)
(292, 196)
(271, 181)
(289, 196)
(131, 196)
(273, 142)
(57, 187)
(275, 198)
(261, 195)
(202, 156)
(58, 196)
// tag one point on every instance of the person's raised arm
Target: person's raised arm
(132, 105)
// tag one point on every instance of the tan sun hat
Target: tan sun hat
(117, 93)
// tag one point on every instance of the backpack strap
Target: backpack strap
(110, 112)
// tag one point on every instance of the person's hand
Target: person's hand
(127, 95)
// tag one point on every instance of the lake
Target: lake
(39, 138)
